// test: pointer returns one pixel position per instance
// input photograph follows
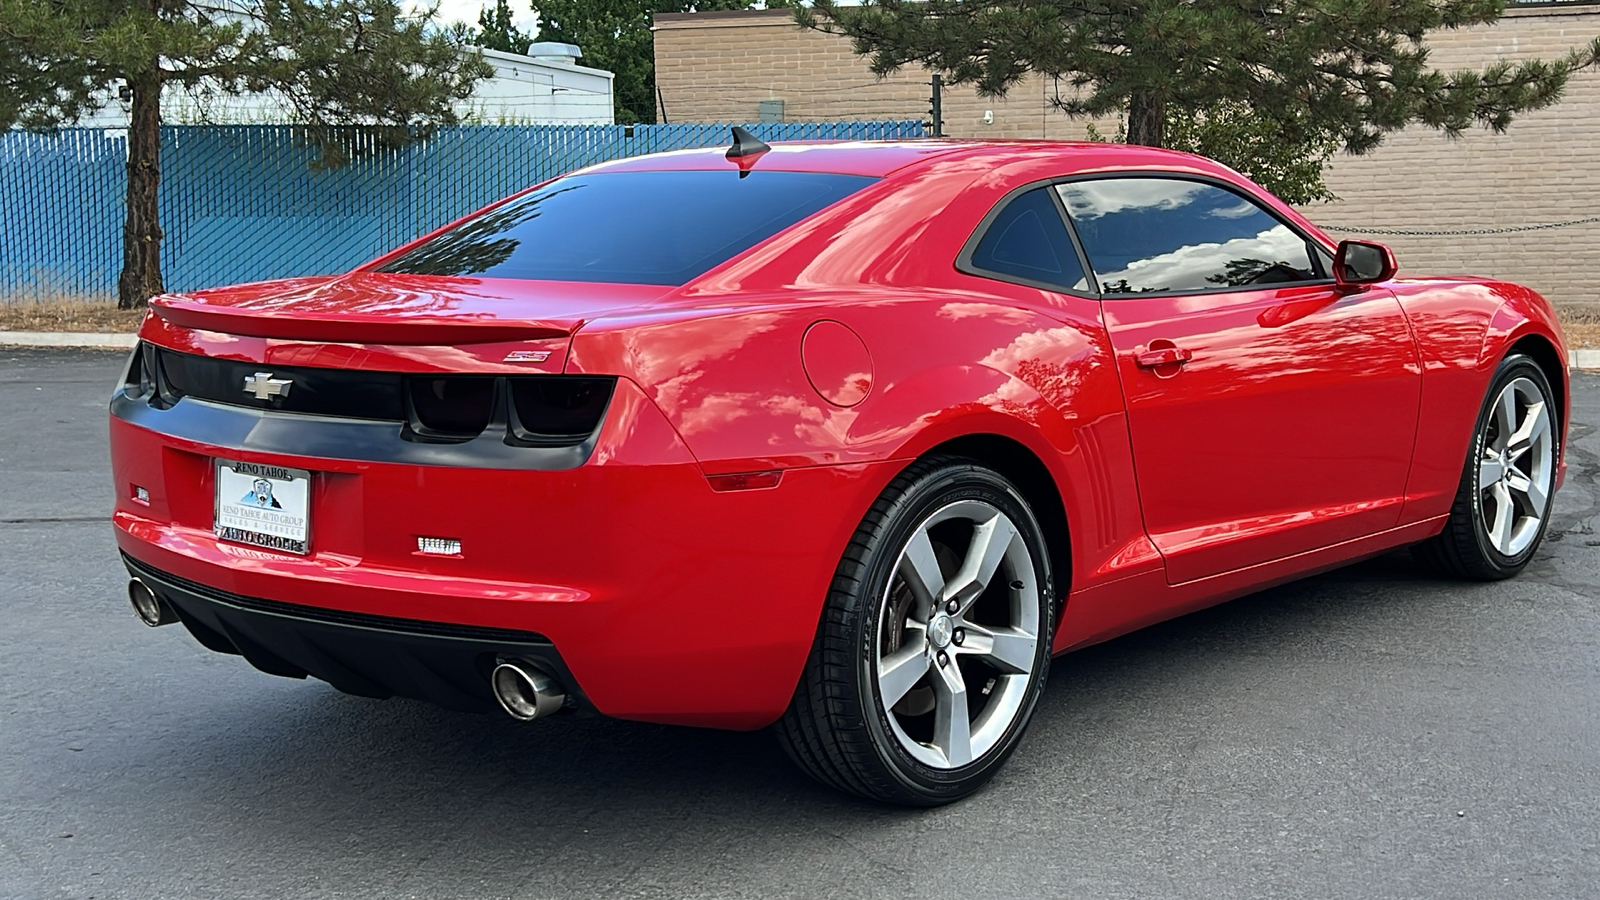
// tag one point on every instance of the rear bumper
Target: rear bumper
(668, 601)
(365, 655)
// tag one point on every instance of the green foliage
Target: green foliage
(1281, 157)
(41, 84)
(340, 65)
(336, 62)
(615, 35)
(361, 64)
(1345, 72)
(497, 31)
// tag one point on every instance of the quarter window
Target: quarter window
(1162, 234)
(1028, 241)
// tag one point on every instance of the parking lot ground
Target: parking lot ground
(1369, 733)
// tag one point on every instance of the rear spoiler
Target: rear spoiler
(358, 328)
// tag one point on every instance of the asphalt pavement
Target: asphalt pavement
(1369, 733)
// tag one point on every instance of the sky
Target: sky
(467, 11)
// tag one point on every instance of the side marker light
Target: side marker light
(745, 481)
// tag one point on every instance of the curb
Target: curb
(1579, 359)
(83, 340)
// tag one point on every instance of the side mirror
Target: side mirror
(1358, 263)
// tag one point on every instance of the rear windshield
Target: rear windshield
(628, 227)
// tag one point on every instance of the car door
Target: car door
(1270, 412)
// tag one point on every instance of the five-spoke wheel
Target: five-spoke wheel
(934, 645)
(1515, 467)
(1503, 504)
(952, 672)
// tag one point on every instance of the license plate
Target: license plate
(264, 506)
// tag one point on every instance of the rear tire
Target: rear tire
(1502, 506)
(934, 642)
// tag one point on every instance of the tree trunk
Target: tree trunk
(141, 235)
(1147, 120)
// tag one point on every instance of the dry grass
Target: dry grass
(1583, 334)
(68, 315)
(1582, 324)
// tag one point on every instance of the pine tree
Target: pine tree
(1317, 73)
(497, 31)
(336, 63)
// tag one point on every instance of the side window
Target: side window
(1163, 234)
(1028, 240)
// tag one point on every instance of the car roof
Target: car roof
(881, 158)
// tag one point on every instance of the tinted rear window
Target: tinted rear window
(628, 227)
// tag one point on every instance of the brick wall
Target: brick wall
(719, 66)
(1546, 168)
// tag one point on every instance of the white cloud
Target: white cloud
(1187, 268)
(1239, 210)
(1093, 199)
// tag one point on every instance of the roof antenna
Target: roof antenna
(746, 150)
(745, 144)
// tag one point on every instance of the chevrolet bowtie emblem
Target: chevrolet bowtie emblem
(265, 387)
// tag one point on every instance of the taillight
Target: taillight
(450, 408)
(142, 380)
(557, 409)
(521, 410)
(533, 410)
(171, 375)
(137, 378)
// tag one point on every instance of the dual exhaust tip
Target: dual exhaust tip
(524, 691)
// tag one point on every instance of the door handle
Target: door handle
(1162, 356)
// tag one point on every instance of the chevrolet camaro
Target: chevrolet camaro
(846, 439)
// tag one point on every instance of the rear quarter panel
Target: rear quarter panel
(943, 364)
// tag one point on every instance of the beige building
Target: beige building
(751, 66)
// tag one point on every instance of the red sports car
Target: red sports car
(847, 438)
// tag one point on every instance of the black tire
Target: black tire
(837, 728)
(1465, 549)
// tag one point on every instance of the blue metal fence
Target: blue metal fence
(241, 203)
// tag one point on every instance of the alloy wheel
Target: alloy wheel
(958, 635)
(1516, 467)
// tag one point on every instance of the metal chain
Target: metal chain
(1463, 231)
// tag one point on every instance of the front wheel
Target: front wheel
(1502, 506)
(934, 643)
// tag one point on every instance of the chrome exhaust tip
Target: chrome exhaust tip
(147, 606)
(525, 692)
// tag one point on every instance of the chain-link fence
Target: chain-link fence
(1458, 232)
(242, 203)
